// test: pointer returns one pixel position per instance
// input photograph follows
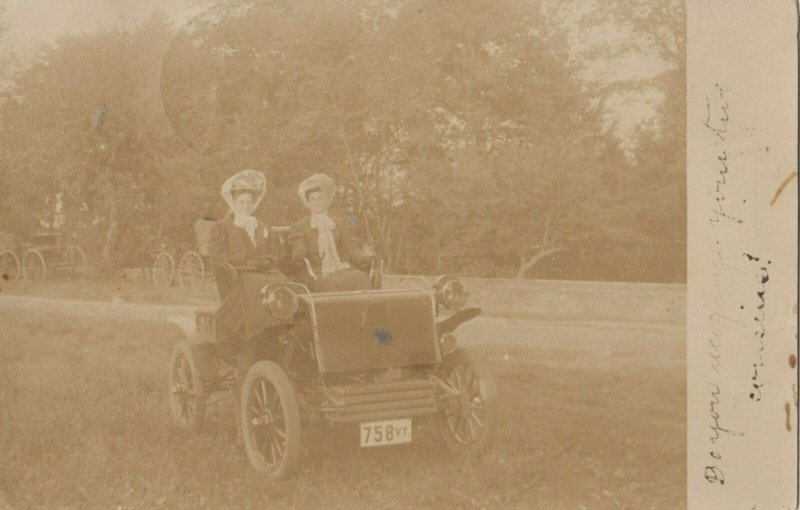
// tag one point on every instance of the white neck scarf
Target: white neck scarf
(247, 222)
(326, 243)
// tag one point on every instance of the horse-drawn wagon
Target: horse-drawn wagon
(45, 254)
(191, 269)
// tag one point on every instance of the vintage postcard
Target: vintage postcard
(388, 254)
(742, 278)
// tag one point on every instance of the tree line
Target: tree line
(463, 135)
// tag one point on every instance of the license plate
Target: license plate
(382, 433)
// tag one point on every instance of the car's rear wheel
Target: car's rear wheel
(186, 392)
(467, 405)
(270, 420)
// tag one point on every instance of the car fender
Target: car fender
(185, 324)
(451, 323)
(203, 351)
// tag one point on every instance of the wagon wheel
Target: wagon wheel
(191, 271)
(75, 260)
(467, 414)
(163, 270)
(270, 420)
(9, 266)
(187, 396)
(34, 268)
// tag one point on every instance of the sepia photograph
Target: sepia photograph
(346, 254)
(742, 285)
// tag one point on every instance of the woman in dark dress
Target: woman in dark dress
(326, 246)
(245, 243)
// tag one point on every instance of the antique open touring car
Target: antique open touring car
(377, 359)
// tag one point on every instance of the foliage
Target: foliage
(463, 136)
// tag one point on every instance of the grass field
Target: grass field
(590, 417)
(134, 290)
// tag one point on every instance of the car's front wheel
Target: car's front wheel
(270, 420)
(467, 405)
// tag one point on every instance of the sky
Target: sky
(30, 23)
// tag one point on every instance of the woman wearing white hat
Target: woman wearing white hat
(325, 245)
(245, 243)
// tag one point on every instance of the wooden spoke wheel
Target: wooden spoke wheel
(191, 271)
(34, 268)
(187, 396)
(163, 270)
(467, 415)
(75, 260)
(270, 420)
(9, 267)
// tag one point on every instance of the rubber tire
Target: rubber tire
(277, 377)
(489, 430)
(196, 418)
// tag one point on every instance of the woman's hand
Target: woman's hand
(266, 264)
(298, 259)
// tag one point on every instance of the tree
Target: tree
(83, 123)
(388, 98)
(607, 38)
(464, 135)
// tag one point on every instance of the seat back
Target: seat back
(202, 235)
(226, 278)
(229, 317)
(285, 253)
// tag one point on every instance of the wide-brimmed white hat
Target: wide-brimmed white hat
(246, 180)
(321, 181)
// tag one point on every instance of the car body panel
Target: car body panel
(369, 330)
